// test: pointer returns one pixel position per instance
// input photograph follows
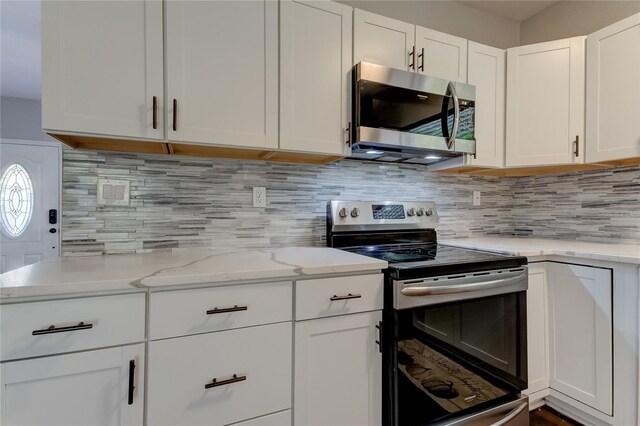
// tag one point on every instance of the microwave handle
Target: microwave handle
(456, 115)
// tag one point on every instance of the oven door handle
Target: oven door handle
(512, 415)
(416, 291)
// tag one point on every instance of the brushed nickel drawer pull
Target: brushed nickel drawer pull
(132, 387)
(215, 383)
(235, 308)
(348, 296)
(52, 329)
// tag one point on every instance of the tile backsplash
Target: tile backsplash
(196, 202)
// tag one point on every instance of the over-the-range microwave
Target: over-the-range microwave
(401, 116)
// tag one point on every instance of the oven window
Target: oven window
(460, 357)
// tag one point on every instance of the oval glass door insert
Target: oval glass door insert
(16, 200)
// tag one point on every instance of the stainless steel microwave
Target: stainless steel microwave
(401, 116)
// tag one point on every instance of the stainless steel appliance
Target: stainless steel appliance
(401, 116)
(454, 322)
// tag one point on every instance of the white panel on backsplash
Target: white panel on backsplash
(198, 202)
(188, 202)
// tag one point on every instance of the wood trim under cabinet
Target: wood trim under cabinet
(523, 171)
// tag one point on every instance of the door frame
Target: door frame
(52, 144)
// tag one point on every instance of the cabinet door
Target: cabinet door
(580, 320)
(102, 67)
(441, 55)
(487, 71)
(545, 103)
(84, 388)
(315, 52)
(338, 371)
(383, 41)
(537, 329)
(222, 72)
(613, 90)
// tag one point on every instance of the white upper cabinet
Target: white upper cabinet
(613, 91)
(441, 55)
(102, 68)
(383, 41)
(315, 59)
(222, 72)
(487, 71)
(581, 341)
(545, 103)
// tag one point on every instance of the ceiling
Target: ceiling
(20, 39)
(511, 9)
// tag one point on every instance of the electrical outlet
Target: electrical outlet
(259, 196)
(476, 198)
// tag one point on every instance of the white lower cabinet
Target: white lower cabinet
(99, 387)
(220, 378)
(277, 419)
(338, 371)
(580, 334)
(537, 329)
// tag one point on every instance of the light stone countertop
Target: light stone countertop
(532, 247)
(71, 275)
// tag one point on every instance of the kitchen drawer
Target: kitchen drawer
(179, 370)
(106, 321)
(282, 418)
(184, 312)
(327, 297)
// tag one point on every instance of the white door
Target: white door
(29, 190)
(487, 71)
(338, 371)
(441, 55)
(383, 41)
(84, 388)
(580, 332)
(315, 59)
(537, 326)
(545, 103)
(102, 67)
(222, 72)
(613, 90)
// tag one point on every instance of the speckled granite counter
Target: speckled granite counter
(71, 275)
(533, 247)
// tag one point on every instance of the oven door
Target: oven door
(459, 348)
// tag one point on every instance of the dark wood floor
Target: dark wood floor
(545, 416)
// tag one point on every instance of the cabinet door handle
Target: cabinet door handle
(348, 132)
(348, 296)
(52, 329)
(132, 368)
(215, 383)
(175, 115)
(235, 308)
(412, 57)
(576, 144)
(155, 112)
(421, 56)
(379, 341)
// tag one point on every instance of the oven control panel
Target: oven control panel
(381, 215)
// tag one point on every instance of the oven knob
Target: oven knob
(343, 212)
(420, 211)
(411, 211)
(355, 212)
(429, 212)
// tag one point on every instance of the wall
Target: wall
(186, 202)
(447, 16)
(21, 119)
(573, 18)
(599, 205)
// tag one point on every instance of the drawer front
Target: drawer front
(184, 312)
(106, 321)
(338, 296)
(181, 372)
(282, 418)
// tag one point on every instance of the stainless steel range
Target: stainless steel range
(454, 323)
